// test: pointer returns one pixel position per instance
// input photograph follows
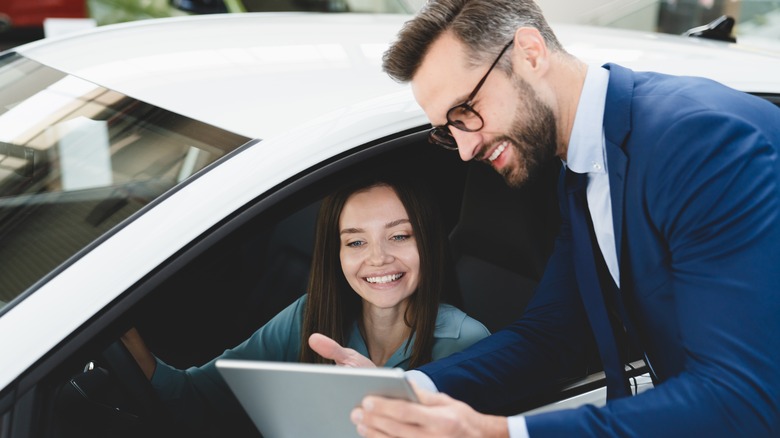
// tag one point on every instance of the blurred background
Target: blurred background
(757, 21)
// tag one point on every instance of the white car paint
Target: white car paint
(247, 72)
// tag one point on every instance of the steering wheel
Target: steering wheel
(112, 395)
(130, 377)
(142, 398)
(141, 395)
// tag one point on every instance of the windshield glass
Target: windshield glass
(76, 160)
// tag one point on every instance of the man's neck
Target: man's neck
(569, 76)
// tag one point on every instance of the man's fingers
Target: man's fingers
(381, 409)
(380, 416)
(372, 421)
(372, 424)
(429, 398)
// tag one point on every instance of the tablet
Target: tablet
(294, 400)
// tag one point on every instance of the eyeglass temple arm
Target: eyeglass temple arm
(484, 78)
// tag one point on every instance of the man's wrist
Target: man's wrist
(495, 427)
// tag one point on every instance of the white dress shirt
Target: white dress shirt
(586, 154)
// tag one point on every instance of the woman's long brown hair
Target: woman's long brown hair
(332, 306)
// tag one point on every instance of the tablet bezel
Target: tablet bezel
(286, 399)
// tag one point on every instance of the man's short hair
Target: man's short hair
(484, 26)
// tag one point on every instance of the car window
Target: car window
(371, 6)
(76, 160)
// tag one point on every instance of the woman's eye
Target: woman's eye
(401, 237)
(355, 244)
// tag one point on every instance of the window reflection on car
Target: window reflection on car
(77, 159)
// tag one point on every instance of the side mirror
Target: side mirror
(200, 6)
(718, 29)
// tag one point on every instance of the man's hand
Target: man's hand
(437, 415)
(330, 349)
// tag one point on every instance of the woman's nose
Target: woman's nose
(379, 255)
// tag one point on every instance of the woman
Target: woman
(380, 275)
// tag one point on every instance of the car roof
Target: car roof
(243, 72)
(240, 72)
(741, 66)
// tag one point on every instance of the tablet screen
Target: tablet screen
(307, 400)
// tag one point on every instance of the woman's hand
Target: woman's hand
(137, 347)
(330, 349)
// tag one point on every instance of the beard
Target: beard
(533, 136)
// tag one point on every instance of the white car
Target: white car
(163, 174)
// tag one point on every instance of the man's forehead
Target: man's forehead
(444, 77)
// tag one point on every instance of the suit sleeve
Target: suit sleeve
(713, 195)
(529, 355)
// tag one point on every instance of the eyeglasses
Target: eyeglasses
(463, 116)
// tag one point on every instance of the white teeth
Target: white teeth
(498, 151)
(384, 278)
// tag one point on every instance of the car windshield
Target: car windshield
(77, 160)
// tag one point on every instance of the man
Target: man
(670, 235)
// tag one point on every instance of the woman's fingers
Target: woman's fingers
(330, 349)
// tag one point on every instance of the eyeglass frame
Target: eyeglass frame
(443, 131)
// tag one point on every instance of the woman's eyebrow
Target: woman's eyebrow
(391, 224)
(397, 222)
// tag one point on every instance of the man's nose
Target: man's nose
(468, 143)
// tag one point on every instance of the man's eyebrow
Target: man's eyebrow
(455, 102)
(459, 100)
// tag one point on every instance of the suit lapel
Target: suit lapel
(616, 164)
(617, 127)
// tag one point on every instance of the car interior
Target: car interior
(217, 291)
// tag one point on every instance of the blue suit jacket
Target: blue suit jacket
(695, 184)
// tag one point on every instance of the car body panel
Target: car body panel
(677, 55)
(162, 61)
(199, 66)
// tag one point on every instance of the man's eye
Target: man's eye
(458, 124)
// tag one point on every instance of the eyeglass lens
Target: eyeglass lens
(441, 136)
(464, 118)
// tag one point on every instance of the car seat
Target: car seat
(502, 241)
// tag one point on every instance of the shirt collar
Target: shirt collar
(400, 357)
(448, 323)
(586, 153)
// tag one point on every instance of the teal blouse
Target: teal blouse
(198, 396)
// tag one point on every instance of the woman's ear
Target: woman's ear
(530, 50)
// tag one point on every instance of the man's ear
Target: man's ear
(533, 52)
